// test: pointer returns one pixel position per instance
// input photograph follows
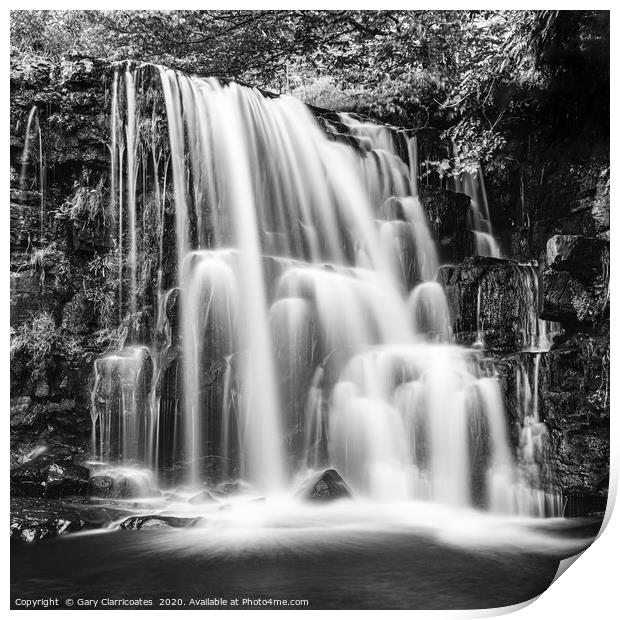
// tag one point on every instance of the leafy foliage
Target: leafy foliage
(87, 207)
(36, 338)
(473, 74)
(100, 287)
(50, 261)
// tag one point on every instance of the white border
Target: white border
(589, 588)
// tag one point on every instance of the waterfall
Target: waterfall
(479, 217)
(131, 128)
(533, 449)
(118, 403)
(311, 328)
(539, 333)
(33, 120)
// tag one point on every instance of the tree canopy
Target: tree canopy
(472, 74)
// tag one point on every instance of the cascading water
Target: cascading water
(533, 436)
(479, 216)
(119, 397)
(534, 333)
(312, 330)
(479, 219)
(539, 333)
(33, 122)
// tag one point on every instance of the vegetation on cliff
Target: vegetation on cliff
(476, 74)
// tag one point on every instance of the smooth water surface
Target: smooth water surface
(344, 556)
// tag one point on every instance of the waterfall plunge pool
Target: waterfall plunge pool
(344, 555)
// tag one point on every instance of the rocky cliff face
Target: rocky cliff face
(59, 239)
(553, 183)
(575, 373)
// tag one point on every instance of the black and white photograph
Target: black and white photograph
(309, 309)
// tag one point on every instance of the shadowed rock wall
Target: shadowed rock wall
(55, 288)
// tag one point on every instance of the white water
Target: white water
(534, 334)
(313, 333)
(131, 129)
(479, 218)
(33, 121)
(117, 405)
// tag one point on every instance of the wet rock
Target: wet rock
(154, 524)
(580, 256)
(575, 280)
(123, 487)
(578, 503)
(22, 413)
(203, 498)
(64, 479)
(79, 140)
(574, 404)
(492, 300)
(562, 295)
(564, 194)
(37, 519)
(50, 476)
(326, 486)
(158, 522)
(447, 217)
(62, 412)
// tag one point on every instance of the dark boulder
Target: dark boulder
(158, 522)
(580, 256)
(564, 298)
(50, 476)
(493, 301)
(575, 279)
(35, 519)
(119, 487)
(326, 486)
